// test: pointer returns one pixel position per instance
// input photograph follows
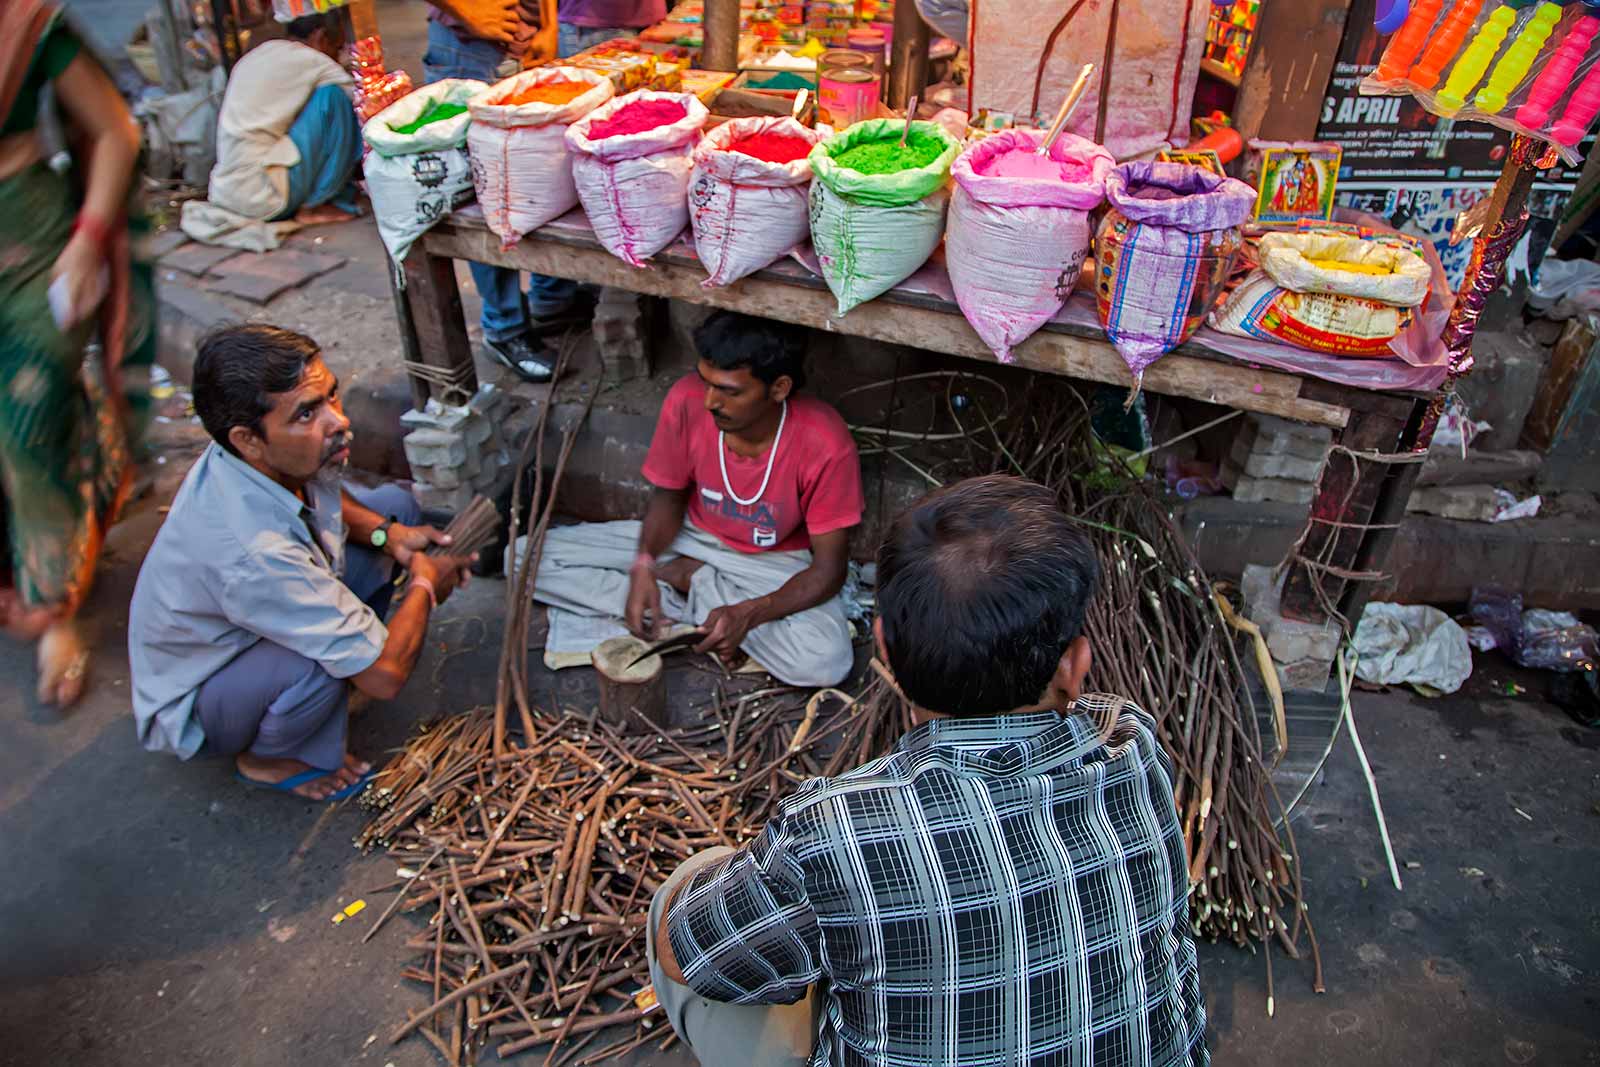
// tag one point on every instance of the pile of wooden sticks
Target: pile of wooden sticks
(535, 868)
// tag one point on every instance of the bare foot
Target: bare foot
(272, 771)
(321, 214)
(63, 665)
(355, 767)
(23, 623)
(678, 572)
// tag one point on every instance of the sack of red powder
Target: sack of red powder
(417, 171)
(631, 159)
(517, 140)
(1163, 253)
(877, 210)
(747, 195)
(1019, 230)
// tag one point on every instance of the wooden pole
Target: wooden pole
(908, 73)
(721, 25)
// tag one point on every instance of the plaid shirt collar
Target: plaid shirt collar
(1034, 742)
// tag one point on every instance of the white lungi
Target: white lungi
(584, 570)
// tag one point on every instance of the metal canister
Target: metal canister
(870, 43)
(842, 59)
(848, 95)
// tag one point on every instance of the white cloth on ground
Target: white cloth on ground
(267, 91)
(584, 572)
(213, 224)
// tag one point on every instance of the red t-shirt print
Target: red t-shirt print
(815, 486)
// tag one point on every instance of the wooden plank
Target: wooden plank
(1286, 77)
(1247, 388)
(441, 326)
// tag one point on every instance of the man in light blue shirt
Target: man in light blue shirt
(262, 598)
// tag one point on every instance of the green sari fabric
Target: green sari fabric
(66, 462)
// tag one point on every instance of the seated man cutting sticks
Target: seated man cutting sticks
(262, 598)
(770, 485)
(1007, 886)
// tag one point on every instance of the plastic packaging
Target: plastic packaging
(415, 179)
(1162, 254)
(1014, 246)
(747, 212)
(1328, 292)
(872, 231)
(1529, 66)
(634, 186)
(520, 164)
(1535, 638)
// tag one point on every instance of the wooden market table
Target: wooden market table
(1353, 512)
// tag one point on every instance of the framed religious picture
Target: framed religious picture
(1296, 182)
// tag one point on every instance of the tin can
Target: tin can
(847, 96)
(869, 43)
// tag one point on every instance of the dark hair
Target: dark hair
(981, 587)
(769, 348)
(239, 369)
(303, 27)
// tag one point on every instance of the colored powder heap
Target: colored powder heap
(437, 111)
(785, 81)
(637, 117)
(772, 147)
(552, 92)
(1025, 163)
(887, 157)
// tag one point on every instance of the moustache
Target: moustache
(336, 445)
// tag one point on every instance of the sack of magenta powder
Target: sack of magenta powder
(1019, 230)
(517, 141)
(631, 160)
(747, 195)
(1163, 253)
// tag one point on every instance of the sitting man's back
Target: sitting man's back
(1008, 886)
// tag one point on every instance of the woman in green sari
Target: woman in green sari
(77, 333)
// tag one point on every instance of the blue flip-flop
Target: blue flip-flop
(288, 785)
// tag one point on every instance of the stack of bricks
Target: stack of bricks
(620, 334)
(1302, 652)
(1275, 459)
(458, 452)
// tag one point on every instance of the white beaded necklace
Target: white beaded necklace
(722, 458)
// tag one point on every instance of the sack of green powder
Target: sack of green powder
(418, 170)
(877, 210)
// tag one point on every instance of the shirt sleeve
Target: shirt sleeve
(668, 464)
(742, 929)
(835, 500)
(291, 601)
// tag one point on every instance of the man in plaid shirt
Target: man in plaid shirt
(1008, 886)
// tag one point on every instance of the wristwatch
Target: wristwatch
(380, 536)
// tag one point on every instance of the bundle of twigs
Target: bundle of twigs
(472, 530)
(1158, 634)
(536, 866)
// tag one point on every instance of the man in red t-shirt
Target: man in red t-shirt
(770, 485)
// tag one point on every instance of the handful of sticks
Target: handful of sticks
(536, 868)
(472, 530)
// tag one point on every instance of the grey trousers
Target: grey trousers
(277, 704)
(584, 569)
(721, 1035)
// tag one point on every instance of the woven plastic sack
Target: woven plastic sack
(416, 179)
(520, 164)
(872, 231)
(1015, 246)
(1162, 254)
(747, 212)
(634, 186)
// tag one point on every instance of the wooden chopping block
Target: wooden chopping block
(624, 690)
